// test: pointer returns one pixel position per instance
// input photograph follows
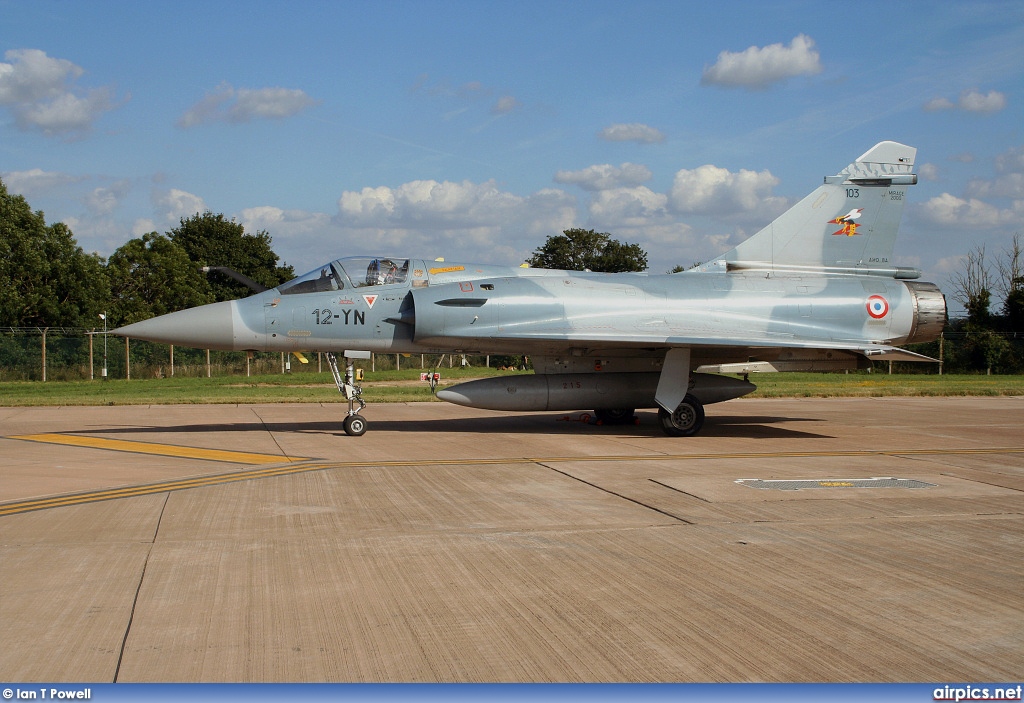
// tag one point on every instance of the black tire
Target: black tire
(355, 425)
(614, 416)
(686, 421)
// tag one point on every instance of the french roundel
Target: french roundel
(878, 307)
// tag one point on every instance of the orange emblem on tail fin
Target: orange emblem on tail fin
(849, 227)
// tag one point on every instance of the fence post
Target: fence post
(127, 361)
(92, 371)
(44, 353)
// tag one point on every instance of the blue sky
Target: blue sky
(474, 130)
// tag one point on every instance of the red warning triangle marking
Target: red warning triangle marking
(370, 300)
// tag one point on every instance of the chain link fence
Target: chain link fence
(71, 354)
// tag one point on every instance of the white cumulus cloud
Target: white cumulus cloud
(606, 176)
(237, 105)
(464, 221)
(428, 202)
(950, 211)
(949, 264)
(1009, 183)
(103, 201)
(66, 113)
(929, 172)
(972, 100)
(141, 226)
(283, 224)
(711, 190)
(1012, 161)
(36, 181)
(175, 204)
(628, 207)
(633, 132)
(41, 93)
(33, 76)
(759, 67)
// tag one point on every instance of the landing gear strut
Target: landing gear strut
(687, 417)
(355, 424)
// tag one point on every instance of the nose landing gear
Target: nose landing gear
(355, 424)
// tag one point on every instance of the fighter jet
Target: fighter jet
(792, 297)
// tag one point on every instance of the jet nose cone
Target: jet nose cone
(206, 327)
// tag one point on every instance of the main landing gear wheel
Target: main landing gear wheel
(686, 421)
(614, 416)
(355, 425)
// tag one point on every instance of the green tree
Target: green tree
(972, 286)
(585, 249)
(984, 349)
(1011, 284)
(990, 341)
(46, 279)
(77, 281)
(22, 262)
(679, 268)
(150, 276)
(212, 240)
(1013, 307)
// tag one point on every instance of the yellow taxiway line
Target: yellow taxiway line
(120, 445)
(311, 465)
(25, 506)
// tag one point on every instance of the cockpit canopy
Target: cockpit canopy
(351, 272)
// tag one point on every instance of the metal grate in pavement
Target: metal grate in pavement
(802, 484)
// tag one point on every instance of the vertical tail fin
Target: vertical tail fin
(850, 222)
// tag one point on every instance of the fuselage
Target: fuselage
(724, 316)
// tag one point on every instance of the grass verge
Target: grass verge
(405, 386)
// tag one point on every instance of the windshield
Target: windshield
(327, 278)
(353, 272)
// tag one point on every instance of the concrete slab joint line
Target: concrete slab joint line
(138, 590)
